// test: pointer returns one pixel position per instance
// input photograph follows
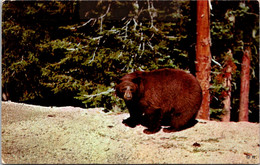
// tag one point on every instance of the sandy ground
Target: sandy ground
(52, 135)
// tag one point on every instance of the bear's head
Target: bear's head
(129, 86)
(126, 90)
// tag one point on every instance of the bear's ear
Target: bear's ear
(137, 80)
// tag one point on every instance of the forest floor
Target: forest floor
(57, 135)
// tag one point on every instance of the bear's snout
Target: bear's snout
(128, 94)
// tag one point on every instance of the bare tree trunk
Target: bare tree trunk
(227, 84)
(203, 56)
(244, 87)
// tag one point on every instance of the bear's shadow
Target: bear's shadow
(166, 123)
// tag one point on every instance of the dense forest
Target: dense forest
(59, 53)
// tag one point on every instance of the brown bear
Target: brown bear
(169, 97)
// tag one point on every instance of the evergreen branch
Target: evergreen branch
(94, 54)
(80, 26)
(135, 24)
(94, 19)
(150, 45)
(93, 57)
(101, 93)
(216, 62)
(152, 13)
(102, 17)
(126, 28)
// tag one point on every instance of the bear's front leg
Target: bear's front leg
(131, 122)
(134, 119)
(152, 120)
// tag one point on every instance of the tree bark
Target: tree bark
(203, 56)
(227, 84)
(244, 87)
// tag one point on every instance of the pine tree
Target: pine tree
(244, 88)
(203, 56)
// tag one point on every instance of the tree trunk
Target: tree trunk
(244, 87)
(227, 84)
(203, 56)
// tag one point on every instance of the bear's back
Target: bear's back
(171, 88)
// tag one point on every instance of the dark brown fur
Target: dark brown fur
(161, 97)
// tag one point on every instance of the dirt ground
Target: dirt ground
(57, 135)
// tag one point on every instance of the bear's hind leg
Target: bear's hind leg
(152, 120)
(178, 121)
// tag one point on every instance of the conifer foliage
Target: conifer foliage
(77, 50)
